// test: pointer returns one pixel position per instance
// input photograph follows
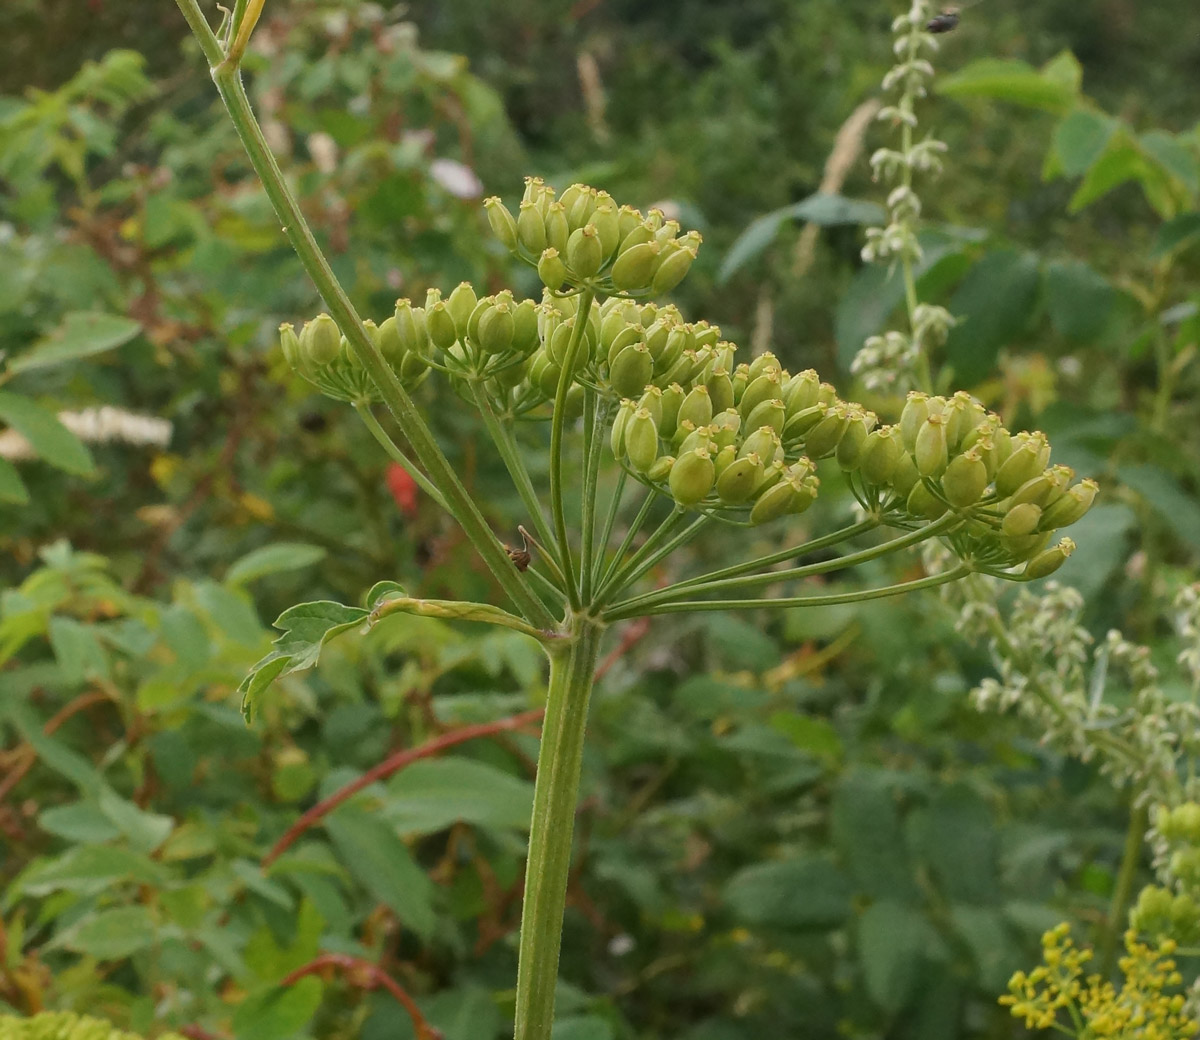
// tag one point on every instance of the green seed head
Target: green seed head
(692, 477)
(504, 226)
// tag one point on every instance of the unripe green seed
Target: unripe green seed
(1046, 563)
(620, 424)
(1030, 452)
(905, 477)
(706, 334)
(1072, 506)
(802, 422)
(800, 391)
(671, 401)
(776, 501)
(767, 413)
(548, 378)
(496, 328)
(661, 469)
(930, 452)
(551, 270)
(442, 330)
(389, 343)
(763, 442)
(773, 473)
(1037, 491)
(641, 440)
(531, 229)
(726, 426)
(656, 336)
(558, 228)
(720, 390)
(880, 455)
(632, 370)
(922, 502)
(651, 400)
(634, 267)
(572, 194)
(585, 254)
(290, 344)
(692, 477)
(504, 226)
(737, 483)
(725, 457)
(1021, 520)
(580, 205)
(764, 387)
(1025, 547)
(608, 228)
(672, 271)
(827, 434)
(320, 341)
(560, 345)
(525, 326)
(912, 418)
(461, 304)
(573, 405)
(965, 480)
(849, 449)
(699, 437)
(630, 334)
(697, 406)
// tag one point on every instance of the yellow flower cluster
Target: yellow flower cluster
(1143, 1007)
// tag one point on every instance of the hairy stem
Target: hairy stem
(555, 794)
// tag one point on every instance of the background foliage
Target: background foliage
(795, 823)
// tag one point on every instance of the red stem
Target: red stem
(393, 764)
(375, 976)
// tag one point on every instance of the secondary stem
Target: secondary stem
(555, 794)
(229, 85)
(396, 455)
(1123, 891)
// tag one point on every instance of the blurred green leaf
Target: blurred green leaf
(371, 851)
(867, 832)
(892, 939)
(1181, 232)
(111, 934)
(48, 437)
(12, 487)
(1079, 300)
(995, 304)
(433, 794)
(805, 892)
(1081, 138)
(582, 1027)
(1051, 89)
(79, 335)
(278, 1014)
(270, 559)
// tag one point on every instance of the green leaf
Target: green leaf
(77, 649)
(816, 736)
(463, 1013)
(80, 335)
(375, 856)
(278, 1014)
(1050, 90)
(806, 892)
(1162, 492)
(1123, 161)
(892, 938)
(91, 867)
(12, 487)
(271, 559)
(434, 794)
(825, 210)
(1079, 300)
(49, 438)
(306, 628)
(995, 304)
(986, 933)
(953, 835)
(1081, 138)
(1174, 156)
(110, 934)
(1177, 234)
(867, 832)
(79, 822)
(145, 830)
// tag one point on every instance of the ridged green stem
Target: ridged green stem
(1114, 927)
(555, 793)
(396, 455)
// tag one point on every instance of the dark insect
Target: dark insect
(521, 557)
(945, 22)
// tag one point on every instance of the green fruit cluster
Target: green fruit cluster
(65, 1025)
(583, 239)
(1174, 911)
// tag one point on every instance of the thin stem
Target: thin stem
(459, 610)
(558, 422)
(594, 414)
(664, 549)
(784, 555)
(555, 794)
(414, 428)
(627, 541)
(396, 455)
(515, 464)
(623, 613)
(750, 581)
(244, 30)
(637, 563)
(1139, 820)
(207, 39)
(610, 519)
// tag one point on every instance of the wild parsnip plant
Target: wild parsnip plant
(657, 434)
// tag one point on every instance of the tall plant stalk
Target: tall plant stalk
(718, 440)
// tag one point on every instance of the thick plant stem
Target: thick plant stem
(229, 85)
(555, 794)
(1139, 820)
